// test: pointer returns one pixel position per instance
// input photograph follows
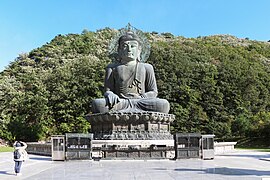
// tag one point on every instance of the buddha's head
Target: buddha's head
(129, 47)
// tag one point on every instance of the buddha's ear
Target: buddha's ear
(139, 58)
(139, 49)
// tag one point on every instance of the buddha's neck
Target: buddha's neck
(130, 63)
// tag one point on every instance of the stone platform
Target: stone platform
(119, 125)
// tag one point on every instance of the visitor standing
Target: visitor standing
(20, 155)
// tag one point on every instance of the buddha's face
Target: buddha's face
(129, 50)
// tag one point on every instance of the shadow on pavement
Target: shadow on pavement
(247, 155)
(229, 171)
(6, 173)
(41, 158)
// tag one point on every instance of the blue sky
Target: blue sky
(28, 24)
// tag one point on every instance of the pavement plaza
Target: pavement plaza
(239, 164)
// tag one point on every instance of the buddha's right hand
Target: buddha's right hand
(111, 99)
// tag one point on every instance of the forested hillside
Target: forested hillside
(216, 84)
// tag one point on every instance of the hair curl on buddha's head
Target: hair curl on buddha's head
(129, 36)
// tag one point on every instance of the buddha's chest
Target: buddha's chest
(128, 79)
(123, 74)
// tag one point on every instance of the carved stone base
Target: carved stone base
(131, 125)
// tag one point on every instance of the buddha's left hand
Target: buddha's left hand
(131, 96)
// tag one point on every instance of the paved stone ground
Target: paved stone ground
(237, 165)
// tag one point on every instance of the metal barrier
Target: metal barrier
(207, 142)
(58, 147)
(78, 146)
(194, 145)
(187, 145)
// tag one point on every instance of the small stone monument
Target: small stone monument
(130, 109)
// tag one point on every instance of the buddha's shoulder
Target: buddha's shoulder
(112, 65)
(147, 66)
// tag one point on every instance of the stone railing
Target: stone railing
(223, 147)
(44, 149)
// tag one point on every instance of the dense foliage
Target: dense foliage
(217, 84)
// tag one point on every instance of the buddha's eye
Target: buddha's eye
(124, 45)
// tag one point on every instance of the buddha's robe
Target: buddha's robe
(139, 79)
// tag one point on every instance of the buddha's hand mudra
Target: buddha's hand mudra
(131, 96)
(111, 99)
